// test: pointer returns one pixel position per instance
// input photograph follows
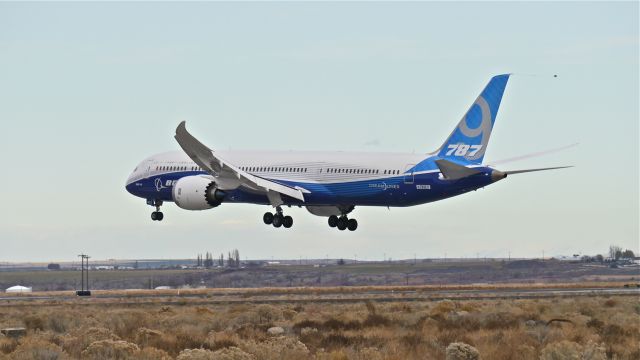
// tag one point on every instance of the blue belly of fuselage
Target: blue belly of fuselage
(393, 191)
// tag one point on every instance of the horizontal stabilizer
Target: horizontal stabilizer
(453, 171)
(513, 172)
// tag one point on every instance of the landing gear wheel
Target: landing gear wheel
(267, 218)
(342, 223)
(352, 224)
(157, 216)
(333, 221)
(278, 220)
(287, 222)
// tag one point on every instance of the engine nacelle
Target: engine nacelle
(196, 193)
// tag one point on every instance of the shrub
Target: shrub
(461, 351)
(151, 353)
(221, 339)
(306, 324)
(195, 354)
(374, 319)
(595, 323)
(38, 349)
(276, 348)
(232, 353)
(79, 339)
(145, 336)
(443, 307)
(501, 320)
(110, 349)
(570, 350)
(7, 345)
(34, 322)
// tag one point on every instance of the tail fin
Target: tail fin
(468, 141)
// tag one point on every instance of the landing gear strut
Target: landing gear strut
(156, 215)
(277, 219)
(343, 222)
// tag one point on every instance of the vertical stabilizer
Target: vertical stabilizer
(468, 141)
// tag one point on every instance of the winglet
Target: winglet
(206, 159)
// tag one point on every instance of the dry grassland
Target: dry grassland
(328, 290)
(556, 328)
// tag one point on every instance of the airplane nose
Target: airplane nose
(129, 185)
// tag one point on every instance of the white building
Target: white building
(19, 289)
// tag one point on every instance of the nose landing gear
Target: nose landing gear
(156, 215)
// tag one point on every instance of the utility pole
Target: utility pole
(84, 292)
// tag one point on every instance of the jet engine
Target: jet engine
(197, 193)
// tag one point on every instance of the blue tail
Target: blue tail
(468, 141)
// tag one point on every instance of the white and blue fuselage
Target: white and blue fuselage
(332, 178)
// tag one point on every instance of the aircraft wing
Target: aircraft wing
(216, 166)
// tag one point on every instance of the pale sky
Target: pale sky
(87, 90)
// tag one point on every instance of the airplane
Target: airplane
(327, 184)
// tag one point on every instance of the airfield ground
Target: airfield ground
(507, 310)
(422, 272)
(504, 321)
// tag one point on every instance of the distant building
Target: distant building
(104, 267)
(19, 289)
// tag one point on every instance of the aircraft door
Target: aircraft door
(408, 173)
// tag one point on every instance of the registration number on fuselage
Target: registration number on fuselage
(423, 187)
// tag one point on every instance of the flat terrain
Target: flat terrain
(422, 272)
(525, 309)
(503, 321)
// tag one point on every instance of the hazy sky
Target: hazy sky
(87, 90)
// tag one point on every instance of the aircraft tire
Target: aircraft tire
(287, 221)
(352, 224)
(154, 216)
(342, 223)
(277, 220)
(159, 216)
(267, 218)
(333, 221)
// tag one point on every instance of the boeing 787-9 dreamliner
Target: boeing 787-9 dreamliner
(329, 184)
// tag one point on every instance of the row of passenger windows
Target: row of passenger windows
(273, 169)
(178, 168)
(361, 171)
(283, 169)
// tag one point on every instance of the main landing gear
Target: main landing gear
(277, 219)
(156, 215)
(343, 222)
